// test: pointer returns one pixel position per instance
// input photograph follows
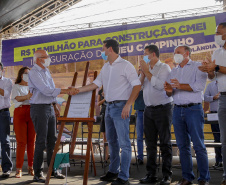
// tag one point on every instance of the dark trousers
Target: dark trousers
(43, 118)
(215, 128)
(157, 123)
(5, 141)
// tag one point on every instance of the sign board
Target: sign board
(212, 117)
(80, 105)
(197, 32)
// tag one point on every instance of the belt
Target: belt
(116, 101)
(158, 106)
(213, 111)
(42, 104)
(24, 105)
(3, 110)
(223, 93)
(188, 105)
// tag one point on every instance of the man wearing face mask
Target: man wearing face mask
(217, 68)
(186, 84)
(43, 109)
(5, 92)
(157, 115)
(121, 87)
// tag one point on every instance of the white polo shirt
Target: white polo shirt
(220, 59)
(117, 79)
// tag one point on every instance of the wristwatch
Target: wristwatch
(217, 68)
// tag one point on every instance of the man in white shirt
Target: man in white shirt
(157, 115)
(121, 87)
(5, 92)
(217, 67)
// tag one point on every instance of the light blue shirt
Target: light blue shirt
(189, 74)
(211, 91)
(42, 86)
(5, 84)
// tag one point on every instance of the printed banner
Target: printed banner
(197, 32)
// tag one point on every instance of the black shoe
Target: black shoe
(220, 164)
(57, 175)
(184, 182)
(166, 181)
(203, 183)
(6, 174)
(109, 176)
(119, 181)
(140, 162)
(39, 178)
(223, 182)
(149, 179)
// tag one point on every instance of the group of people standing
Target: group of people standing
(170, 96)
(34, 95)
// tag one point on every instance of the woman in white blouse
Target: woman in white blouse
(23, 126)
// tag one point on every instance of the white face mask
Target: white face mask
(47, 62)
(25, 77)
(218, 40)
(178, 58)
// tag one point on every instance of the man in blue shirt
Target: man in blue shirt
(186, 84)
(43, 110)
(212, 95)
(139, 106)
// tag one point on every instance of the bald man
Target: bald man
(43, 111)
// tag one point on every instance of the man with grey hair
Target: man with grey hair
(217, 68)
(5, 92)
(43, 110)
(186, 84)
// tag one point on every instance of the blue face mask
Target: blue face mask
(146, 59)
(105, 57)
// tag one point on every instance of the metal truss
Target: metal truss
(24, 32)
(36, 17)
(19, 28)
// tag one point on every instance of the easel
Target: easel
(89, 121)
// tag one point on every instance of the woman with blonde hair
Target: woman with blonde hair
(23, 126)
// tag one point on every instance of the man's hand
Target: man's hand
(125, 111)
(2, 92)
(72, 91)
(216, 97)
(57, 112)
(207, 66)
(168, 87)
(29, 95)
(144, 67)
(175, 83)
(102, 93)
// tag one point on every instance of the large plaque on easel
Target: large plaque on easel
(80, 105)
(79, 109)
